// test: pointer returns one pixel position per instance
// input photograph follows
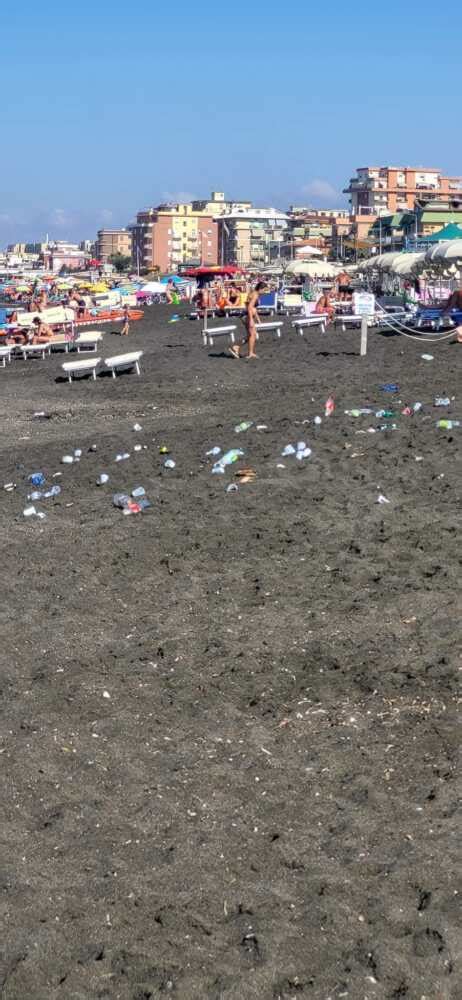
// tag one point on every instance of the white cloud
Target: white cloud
(321, 190)
(59, 217)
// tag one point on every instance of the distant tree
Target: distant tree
(121, 261)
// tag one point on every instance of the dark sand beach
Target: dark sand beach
(228, 734)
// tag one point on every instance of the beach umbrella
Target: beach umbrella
(308, 251)
(386, 260)
(313, 268)
(406, 263)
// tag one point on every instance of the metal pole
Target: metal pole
(364, 328)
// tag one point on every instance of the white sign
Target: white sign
(363, 304)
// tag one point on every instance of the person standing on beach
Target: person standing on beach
(251, 319)
(126, 324)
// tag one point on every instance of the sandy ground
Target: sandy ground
(228, 733)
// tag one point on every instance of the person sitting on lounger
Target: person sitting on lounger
(325, 307)
(41, 333)
(454, 302)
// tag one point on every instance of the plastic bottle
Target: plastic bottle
(385, 413)
(244, 426)
(139, 491)
(54, 491)
(442, 401)
(37, 478)
(447, 425)
(231, 456)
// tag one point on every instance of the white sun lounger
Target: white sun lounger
(35, 350)
(316, 319)
(124, 362)
(88, 341)
(210, 332)
(87, 366)
(274, 327)
(5, 355)
(352, 321)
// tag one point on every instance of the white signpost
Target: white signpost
(364, 306)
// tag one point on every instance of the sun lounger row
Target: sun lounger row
(116, 365)
(209, 333)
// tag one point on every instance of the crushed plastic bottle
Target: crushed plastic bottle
(244, 426)
(416, 407)
(37, 478)
(32, 512)
(227, 459)
(139, 491)
(78, 454)
(330, 406)
(214, 451)
(385, 413)
(54, 491)
(302, 451)
(288, 450)
(102, 479)
(169, 464)
(442, 401)
(137, 427)
(364, 411)
(120, 500)
(67, 459)
(232, 488)
(447, 425)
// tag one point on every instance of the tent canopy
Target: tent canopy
(313, 268)
(449, 232)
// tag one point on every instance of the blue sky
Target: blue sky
(107, 108)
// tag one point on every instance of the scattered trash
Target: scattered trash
(163, 450)
(32, 512)
(262, 427)
(442, 401)
(302, 451)
(144, 503)
(139, 491)
(122, 456)
(102, 479)
(280, 465)
(246, 475)
(41, 415)
(417, 407)
(54, 491)
(138, 447)
(419, 458)
(169, 464)
(288, 450)
(317, 421)
(174, 319)
(385, 413)
(67, 459)
(9, 487)
(231, 456)
(232, 488)
(447, 425)
(92, 447)
(387, 427)
(407, 412)
(106, 694)
(365, 411)
(77, 454)
(56, 474)
(389, 387)
(382, 499)
(330, 406)
(214, 451)
(36, 478)
(137, 427)
(244, 426)
(127, 505)
(427, 357)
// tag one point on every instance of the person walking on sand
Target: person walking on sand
(251, 319)
(126, 322)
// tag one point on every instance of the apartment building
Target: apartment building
(251, 237)
(381, 190)
(113, 241)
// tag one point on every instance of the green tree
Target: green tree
(120, 261)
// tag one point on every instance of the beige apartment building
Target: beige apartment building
(113, 241)
(381, 190)
(186, 233)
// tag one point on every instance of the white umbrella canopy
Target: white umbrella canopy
(449, 250)
(308, 251)
(407, 262)
(313, 268)
(385, 260)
